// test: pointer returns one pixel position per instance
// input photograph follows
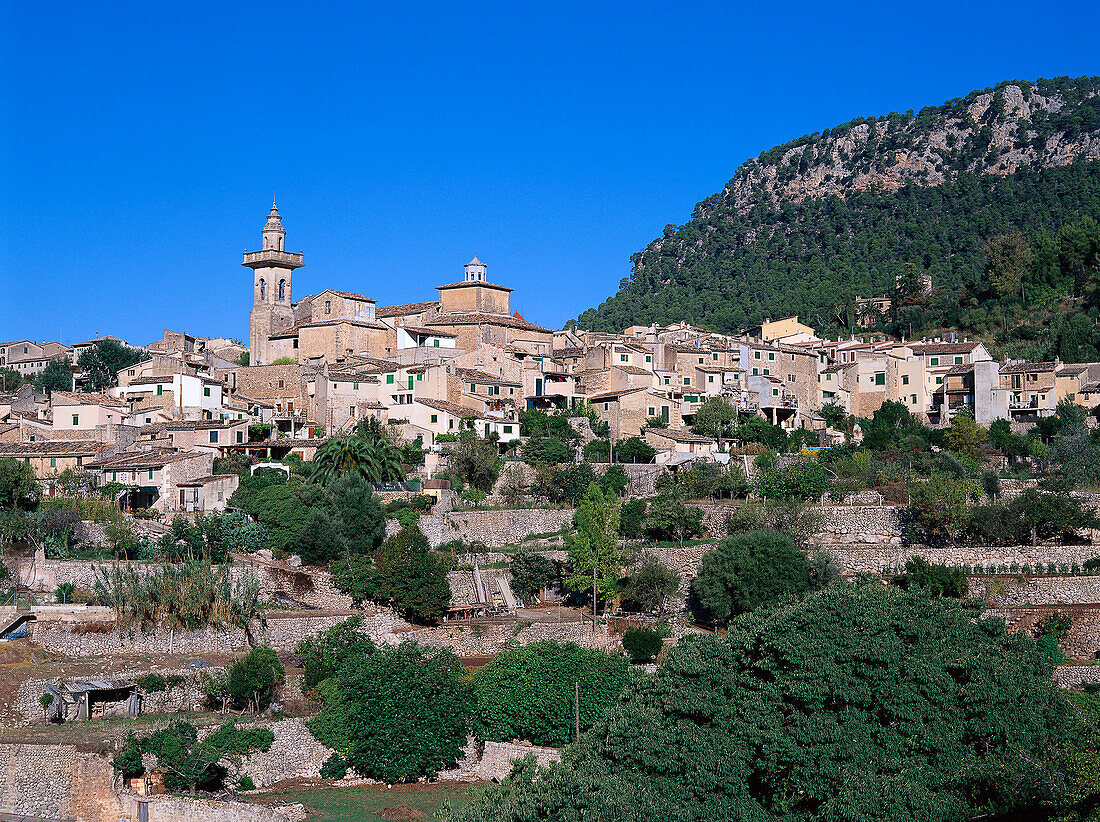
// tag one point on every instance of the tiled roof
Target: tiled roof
(452, 408)
(608, 396)
(473, 375)
(425, 332)
(630, 369)
(137, 460)
(1072, 370)
(191, 425)
(1027, 367)
(402, 310)
(70, 398)
(50, 448)
(345, 321)
(958, 370)
(572, 351)
(678, 435)
(840, 366)
(477, 318)
(351, 295)
(923, 349)
(206, 480)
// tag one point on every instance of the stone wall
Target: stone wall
(494, 528)
(294, 754)
(188, 809)
(1016, 591)
(37, 780)
(282, 634)
(480, 639)
(1076, 676)
(497, 758)
(877, 560)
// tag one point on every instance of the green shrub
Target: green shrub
(528, 692)
(252, 679)
(323, 654)
(642, 644)
(1056, 625)
(935, 580)
(334, 767)
(245, 783)
(152, 683)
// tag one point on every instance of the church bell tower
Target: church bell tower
(272, 268)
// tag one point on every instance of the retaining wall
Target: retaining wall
(497, 758)
(494, 528)
(480, 640)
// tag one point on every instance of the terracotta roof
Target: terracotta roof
(1072, 370)
(958, 370)
(345, 321)
(49, 448)
(630, 369)
(445, 405)
(1027, 367)
(678, 435)
(351, 295)
(840, 366)
(402, 310)
(192, 425)
(70, 398)
(608, 396)
(426, 332)
(476, 318)
(567, 352)
(205, 480)
(474, 375)
(465, 284)
(923, 349)
(136, 460)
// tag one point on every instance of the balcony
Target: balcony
(278, 259)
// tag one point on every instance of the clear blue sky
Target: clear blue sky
(140, 143)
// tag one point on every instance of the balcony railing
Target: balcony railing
(272, 256)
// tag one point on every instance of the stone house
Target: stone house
(1031, 388)
(83, 412)
(675, 446)
(152, 477)
(209, 493)
(48, 458)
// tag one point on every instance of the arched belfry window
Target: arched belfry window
(282, 290)
(263, 289)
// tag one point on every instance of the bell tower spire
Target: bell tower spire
(272, 267)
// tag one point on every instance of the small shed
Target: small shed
(98, 698)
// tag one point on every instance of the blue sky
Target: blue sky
(140, 144)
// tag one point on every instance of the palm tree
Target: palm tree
(377, 460)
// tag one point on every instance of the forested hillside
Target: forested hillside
(993, 196)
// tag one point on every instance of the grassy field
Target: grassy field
(373, 803)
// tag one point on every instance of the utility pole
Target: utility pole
(595, 567)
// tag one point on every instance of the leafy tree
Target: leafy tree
(475, 460)
(715, 418)
(253, 678)
(325, 653)
(319, 542)
(594, 548)
(965, 436)
(940, 507)
(512, 485)
(398, 714)
(46, 701)
(566, 483)
(802, 480)
(531, 573)
(758, 429)
(614, 480)
(650, 586)
(101, 363)
(642, 644)
(936, 580)
(598, 450)
(354, 575)
(1008, 260)
(1056, 625)
(631, 518)
(635, 450)
(749, 570)
(667, 518)
(186, 763)
(18, 487)
(361, 521)
(546, 451)
(858, 702)
(528, 692)
(411, 577)
(56, 376)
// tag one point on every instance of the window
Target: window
(419, 377)
(651, 411)
(150, 473)
(240, 436)
(668, 380)
(351, 410)
(958, 360)
(607, 406)
(939, 380)
(282, 290)
(771, 355)
(263, 289)
(114, 476)
(507, 429)
(775, 392)
(160, 390)
(450, 423)
(905, 379)
(934, 361)
(913, 399)
(790, 378)
(435, 418)
(687, 380)
(206, 391)
(76, 419)
(473, 388)
(700, 361)
(767, 371)
(389, 379)
(664, 413)
(710, 378)
(756, 354)
(648, 358)
(282, 384)
(355, 386)
(756, 372)
(714, 357)
(435, 343)
(624, 358)
(880, 378)
(213, 436)
(53, 462)
(328, 306)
